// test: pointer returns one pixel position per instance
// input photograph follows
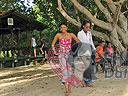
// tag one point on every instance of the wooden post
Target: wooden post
(2, 50)
(17, 47)
(13, 65)
(2, 41)
(1, 66)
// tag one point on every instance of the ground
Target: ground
(39, 80)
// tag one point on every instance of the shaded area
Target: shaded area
(25, 73)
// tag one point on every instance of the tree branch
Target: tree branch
(123, 35)
(122, 18)
(98, 22)
(116, 15)
(119, 2)
(92, 22)
(73, 21)
(64, 8)
(78, 18)
(104, 10)
(124, 12)
(116, 42)
(100, 35)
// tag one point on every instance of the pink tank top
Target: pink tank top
(65, 44)
(110, 50)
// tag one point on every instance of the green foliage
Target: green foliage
(6, 5)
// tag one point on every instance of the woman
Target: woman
(43, 50)
(65, 40)
(109, 53)
(34, 45)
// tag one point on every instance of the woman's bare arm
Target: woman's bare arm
(74, 37)
(55, 39)
(54, 42)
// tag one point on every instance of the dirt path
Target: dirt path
(40, 81)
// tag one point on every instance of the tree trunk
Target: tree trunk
(115, 41)
(116, 23)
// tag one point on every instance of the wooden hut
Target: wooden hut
(12, 25)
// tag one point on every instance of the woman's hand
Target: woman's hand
(54, 51)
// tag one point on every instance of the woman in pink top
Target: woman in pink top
(109, 53)
(65, 40)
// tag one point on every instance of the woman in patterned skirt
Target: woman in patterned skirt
(65, 40)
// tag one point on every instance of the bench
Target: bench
(24, 59)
